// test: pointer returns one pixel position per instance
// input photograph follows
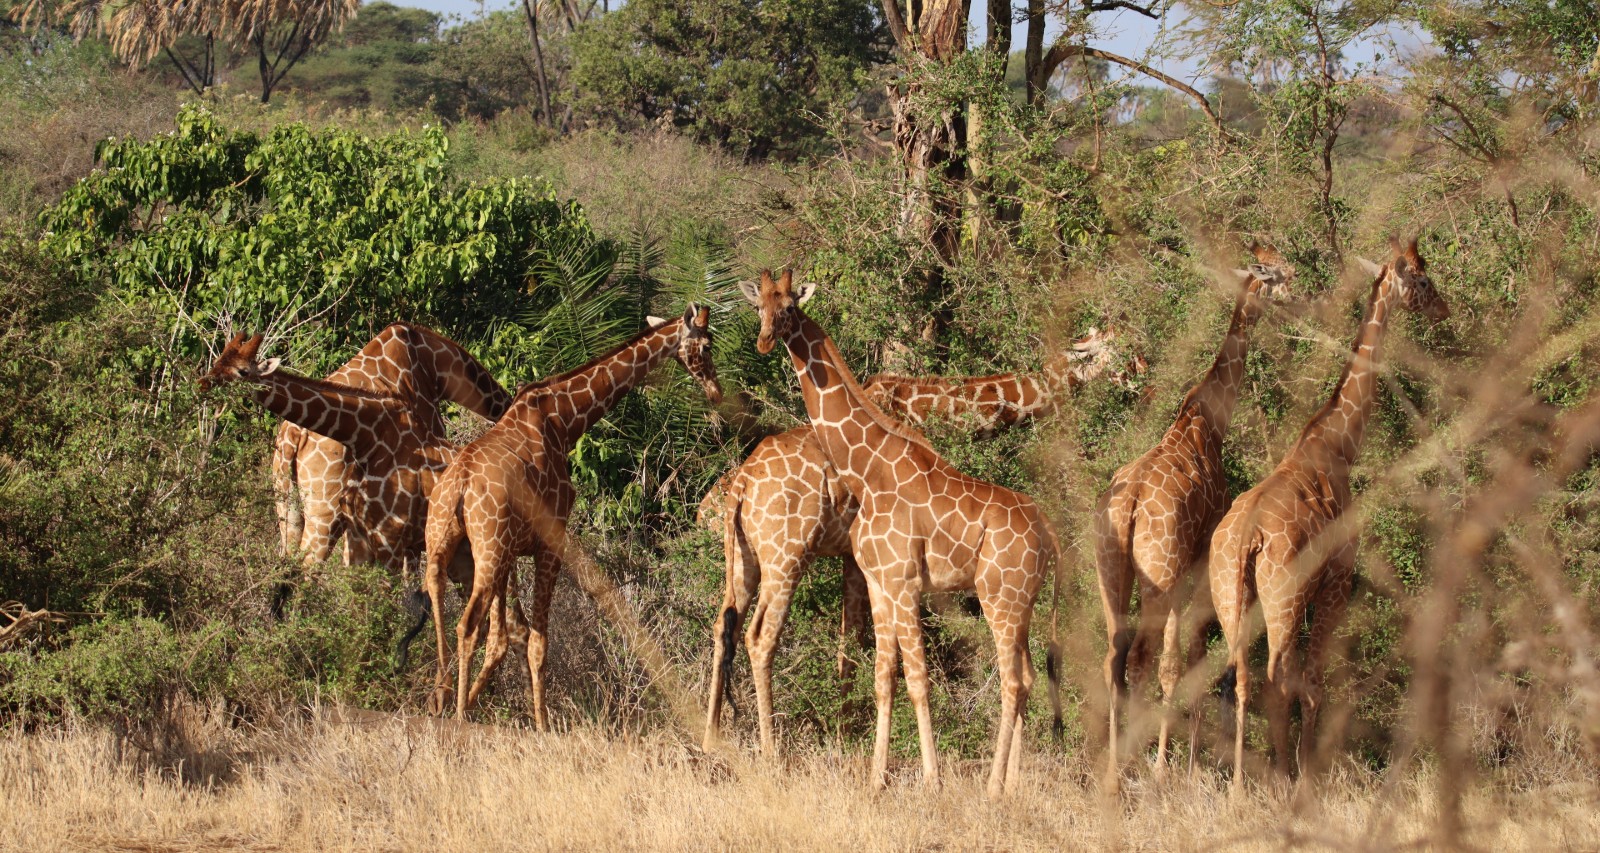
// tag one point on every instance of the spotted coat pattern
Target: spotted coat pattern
(398, 449)
(509, 493)
(791, 509)
(988, 403)
(1283, 543)
(315, 477)
(922, 525)
(1155, 520)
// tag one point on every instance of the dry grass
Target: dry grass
(386, 783)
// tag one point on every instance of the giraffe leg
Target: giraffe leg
(1016, 683)
(547, 569)
(1168, 673)
(855, 619)
(914, 658)
(1332, 600)
(1281, 684)
(885, 664)
(740, 585)
(494, 650)
(1116, 576)
(766, 626)
(433, 584)
(468, 631)
(1201, 615)
(1239, 665)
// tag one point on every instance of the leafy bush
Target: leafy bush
(744, 75)
(332, 229)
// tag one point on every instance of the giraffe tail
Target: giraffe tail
(1052, 657)
(1227, 692)
(421, 607)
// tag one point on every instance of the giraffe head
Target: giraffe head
(1088, 356)
(1271, 277)
(1408, 274)
(237, 363)
(777, 301)
(694, 349)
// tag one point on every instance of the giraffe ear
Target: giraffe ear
(653, 322)
(697, 317)
(751, 291)
(803, 294)
(1268, 273)
(1368, 267)
(268, 367)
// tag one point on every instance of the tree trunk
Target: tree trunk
(541, 81)
(979, 196)
(264, 67)
(932, 147)
(1033, 57)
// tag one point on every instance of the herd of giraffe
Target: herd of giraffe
(364, 455)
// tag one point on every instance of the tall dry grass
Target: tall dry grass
(373, 782)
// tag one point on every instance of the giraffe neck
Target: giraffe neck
(854, 434)
(462, 378)
(1218, 391)
(578, 399)
(1022, 394)
(344, 414)
(1342, 422)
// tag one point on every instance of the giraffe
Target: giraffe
(405, 359)
(989, 403)
(790, 508)
(1280, 542)
(1156, 517)
(922, 524)
(395, 445)
(783, 508)
(508, 495)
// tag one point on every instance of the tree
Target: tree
(280, 32)
(386, 57)
(483, 67)
(330, 231)
(283, 31)
(1294, 50)
(1508, 77)
(138, 31)
(742, 74)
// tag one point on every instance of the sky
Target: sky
(1122, 32)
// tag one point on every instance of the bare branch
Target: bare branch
(897, 28)
(1061, 52)
(1109, 5)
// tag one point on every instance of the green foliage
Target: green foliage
(335, 646)
(213, 228)
(744, 75)
(384, 58)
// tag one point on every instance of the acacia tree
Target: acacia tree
(282, 32)
(1294, 52)
(1509, 76)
